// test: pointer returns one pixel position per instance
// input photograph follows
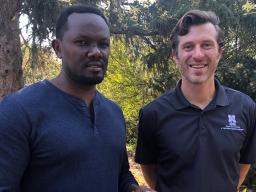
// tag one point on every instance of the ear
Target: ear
(221, 50)
(56, 45)
(174, 56)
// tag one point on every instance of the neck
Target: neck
(84, 92)
(198, 94)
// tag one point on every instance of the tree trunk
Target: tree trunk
(10, 50)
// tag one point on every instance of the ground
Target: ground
(135, 169)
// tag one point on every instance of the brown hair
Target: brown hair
(195, 17)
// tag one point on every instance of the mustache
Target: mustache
(98, 63)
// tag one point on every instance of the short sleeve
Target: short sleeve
(248, 152)
(146, 150)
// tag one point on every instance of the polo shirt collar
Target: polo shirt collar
(180, 102)
(177, 98)
(220, 99)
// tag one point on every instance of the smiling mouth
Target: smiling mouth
(200, 66)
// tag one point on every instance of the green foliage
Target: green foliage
(42, 16)
(249, 6)
(46, 68)
(250, 181)
(127, 83)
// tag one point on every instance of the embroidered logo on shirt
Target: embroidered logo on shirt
(232, 124)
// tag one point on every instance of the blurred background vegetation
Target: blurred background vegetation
(140, 68)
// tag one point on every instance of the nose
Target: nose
(198, 53)
(94, 52)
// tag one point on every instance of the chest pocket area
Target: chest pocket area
(229, 134)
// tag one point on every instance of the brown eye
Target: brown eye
(188, 47)
(207, 45)
(104, 45)
(82, 43)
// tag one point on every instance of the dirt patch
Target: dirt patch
(136, 171)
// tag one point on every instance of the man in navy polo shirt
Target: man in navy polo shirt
(201, 136)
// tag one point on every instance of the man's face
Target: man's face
(198, 54)
(84, 48)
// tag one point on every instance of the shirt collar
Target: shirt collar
(180, 102)
(177, 98)
(220, 97)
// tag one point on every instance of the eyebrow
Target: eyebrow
(203, 41)
(88, 37)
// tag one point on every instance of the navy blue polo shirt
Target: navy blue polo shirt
(197, 150)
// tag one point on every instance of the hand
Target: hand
(146, 189)
(134, 188)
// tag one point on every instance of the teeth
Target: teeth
(197, 66)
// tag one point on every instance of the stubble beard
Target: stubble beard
(83, 80)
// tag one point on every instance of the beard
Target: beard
(83, 80)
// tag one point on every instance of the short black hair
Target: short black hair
(61, 25)
(195, 17)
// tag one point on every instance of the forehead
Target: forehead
(197, 33)
(87, 23)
